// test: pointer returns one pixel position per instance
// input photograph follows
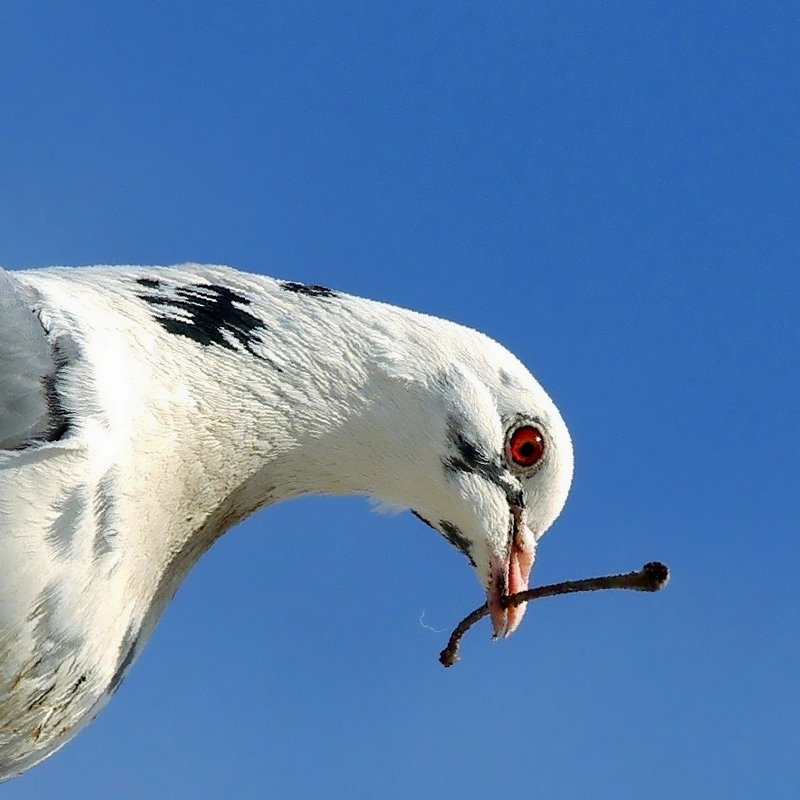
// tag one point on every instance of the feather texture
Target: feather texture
(146, 410)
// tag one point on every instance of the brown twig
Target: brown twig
(650, 578)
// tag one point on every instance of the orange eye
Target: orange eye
(526, 446)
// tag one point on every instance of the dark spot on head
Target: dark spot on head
(468, 456)
(469, 452)
(456, 538)
(472, 458)
(209, 314)
(506, 379)
(311, 290)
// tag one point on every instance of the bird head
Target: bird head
(489, 462)
(424, 414)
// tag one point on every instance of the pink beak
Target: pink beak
(509, 577)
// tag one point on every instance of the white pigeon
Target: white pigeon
(146, 410)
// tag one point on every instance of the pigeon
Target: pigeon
(144, 411)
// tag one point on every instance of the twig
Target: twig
(650, 578)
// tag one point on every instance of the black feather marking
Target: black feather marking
(209, 314)
(59, 419)
(311, 290)
(127, 654)
(61, 533)
(471, 457)
(104, 513)
(64, 351)
(506, 379)
(470, 453)
(456, 538)
(150, 283)
(422, 519)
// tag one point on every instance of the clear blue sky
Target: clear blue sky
(610, 189)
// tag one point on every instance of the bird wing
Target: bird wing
(27, 369)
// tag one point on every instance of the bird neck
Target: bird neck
(319, 406)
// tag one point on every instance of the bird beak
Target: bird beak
(510, 574)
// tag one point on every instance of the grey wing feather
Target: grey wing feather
(27, 369)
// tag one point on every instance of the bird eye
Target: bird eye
(525, 446)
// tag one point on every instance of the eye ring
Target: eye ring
(525, 446)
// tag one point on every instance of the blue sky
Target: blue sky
(610, 189)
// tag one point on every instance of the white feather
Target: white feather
(171, 440)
